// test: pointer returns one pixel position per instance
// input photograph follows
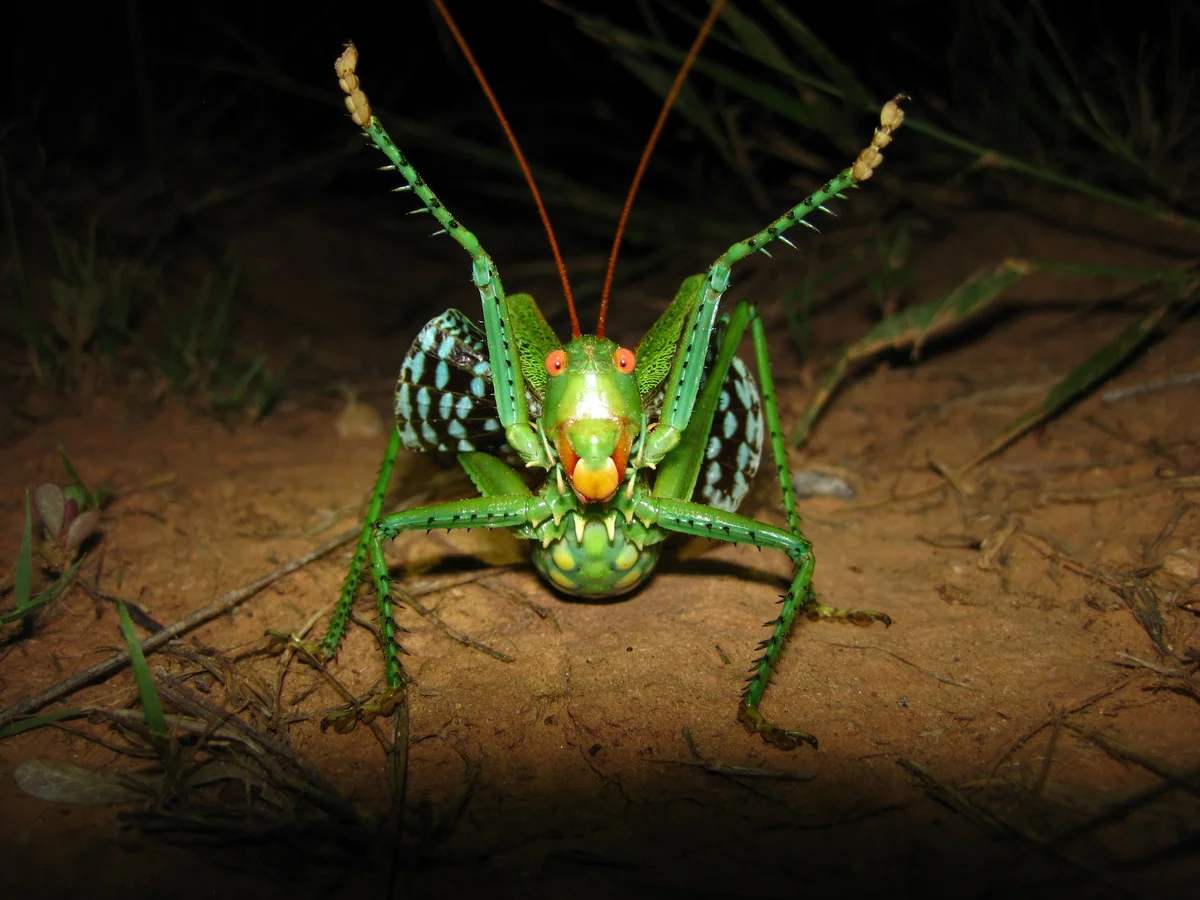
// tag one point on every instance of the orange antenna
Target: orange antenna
(672, 94)
(516, 148)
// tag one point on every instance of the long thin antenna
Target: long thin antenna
(516, 148)
(669, 102)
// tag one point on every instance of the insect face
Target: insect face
(592, 417)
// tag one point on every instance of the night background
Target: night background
(207, 292)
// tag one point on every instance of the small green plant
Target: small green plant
(200, 361)
(94, 301)
(99, 311)
(26, 603)
(68, 517)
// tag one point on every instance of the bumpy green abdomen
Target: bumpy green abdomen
(597, 566)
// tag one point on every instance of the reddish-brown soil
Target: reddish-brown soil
(567, 771)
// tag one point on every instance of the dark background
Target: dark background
(158, 117)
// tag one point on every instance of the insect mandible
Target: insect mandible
(636, 444)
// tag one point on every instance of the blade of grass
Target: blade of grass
(918, 323)
(23, 577)
(754, 42)
(914, 326)
(155, 717)
(20, 727)
(688, 104)
(45, 598)
(775, 59)
(1080, 380)
(842, 75)
(1111, 139)
(218, 329)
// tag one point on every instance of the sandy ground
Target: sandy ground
(569, 769)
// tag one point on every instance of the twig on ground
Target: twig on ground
(221, 605)
(1069, 710)
(1116, 395)
(466, 640)
(934, 675)
(998, 826)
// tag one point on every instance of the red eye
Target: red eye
(624, 360)
(556, 362)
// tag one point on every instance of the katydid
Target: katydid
(636, 445)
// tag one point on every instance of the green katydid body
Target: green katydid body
(628, 439)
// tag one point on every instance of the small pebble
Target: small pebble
(1183, 563)
(809, 484)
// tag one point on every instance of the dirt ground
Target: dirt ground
(593, 762)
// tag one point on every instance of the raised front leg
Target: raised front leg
(508, 379)
(688, 366)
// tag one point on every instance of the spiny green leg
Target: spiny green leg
(686, 517)
(676, 480)
(784, 474)
(499, 511)
(508, 380)
(688, 366)
(766, 386)
(749, 713)
(677, 409)
(341, 612)
(677, 475)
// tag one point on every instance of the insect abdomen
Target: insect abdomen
(597, 566)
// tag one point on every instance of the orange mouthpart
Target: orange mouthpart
(594, 481)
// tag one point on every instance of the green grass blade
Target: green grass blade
(39, 721)
(66, 460)
(45, 598)
(773, 99)
(1085, 376)
(914, 326)
(843, 76)
(23, 577)
(754, 40)
(751, 45)
(688, 104)
(218, 332)
(1102, 131)
(628, 46)
(155, 718)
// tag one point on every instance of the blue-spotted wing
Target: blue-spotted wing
(735, 441)
(733, 448)
(444, 398)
